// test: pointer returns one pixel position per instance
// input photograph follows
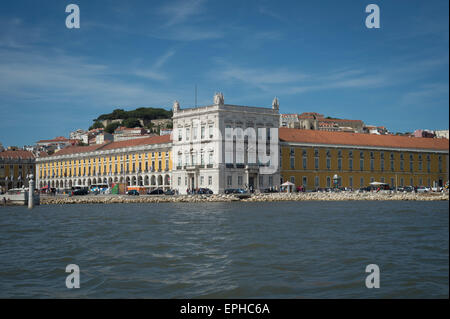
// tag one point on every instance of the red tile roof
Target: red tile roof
(159, 139)
(19, 154)
(77, 149)
(114, 145)
(359, 139)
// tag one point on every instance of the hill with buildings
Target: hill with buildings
(147, 117)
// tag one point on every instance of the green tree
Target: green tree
(97, 124)
(111, 127)
(132, 122)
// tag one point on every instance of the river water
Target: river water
(226, 250)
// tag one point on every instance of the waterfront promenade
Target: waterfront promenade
(274, 197)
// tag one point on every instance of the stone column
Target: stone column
(31, 193)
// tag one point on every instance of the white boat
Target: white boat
(18, 196)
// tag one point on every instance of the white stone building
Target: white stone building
(200, 156)
(441, 134)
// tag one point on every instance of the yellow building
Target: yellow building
(15, 168)
(319, 159)
(141, 162)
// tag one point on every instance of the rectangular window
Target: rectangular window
(316, 181)
(210, 128)
(328, 163)
(350, 181)
(361, 182)
(371, 164)
(179, 181)
(229, 180)
(194, 129)
(261, 181)
(350, 163)
(316, 163)
(239, 180)
(202, 179)
(292, 162)
(270, 181)
(304, 181)
(202, 134)
(361, 164)
(188, 133)
(382, 164)
(209, 180)
(339, 164)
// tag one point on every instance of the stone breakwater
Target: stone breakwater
(275, 197)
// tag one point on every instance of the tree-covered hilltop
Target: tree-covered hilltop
(143, 113)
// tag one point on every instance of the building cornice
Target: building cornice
(417, 150)
(139, 148)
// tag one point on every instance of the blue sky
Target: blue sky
(316, 56)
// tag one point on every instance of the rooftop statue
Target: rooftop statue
(219, 99)
(275, 104)
(176, 106)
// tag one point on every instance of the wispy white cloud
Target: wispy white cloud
(164, 58)
(426, 92)
(265, 10)
(294, 81)
(180, 11)
(36, 76)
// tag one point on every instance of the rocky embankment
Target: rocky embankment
(342, 196)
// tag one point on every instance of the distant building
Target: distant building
(1, 147)
(162, 123)
(107, 122)
(77, 135)
(442, 134)
(424, 133)
(15, 167)
(356, 125)
(317, 121)
(165, 132)
(289, 120)
(124, 133)
(89, 137)
(104, 137)
(56, 143)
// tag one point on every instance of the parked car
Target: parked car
(409, 189)
(423, 189)
(79, 192)
(157, 191)
(133, 192)
(170, 192)
(204, 191)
